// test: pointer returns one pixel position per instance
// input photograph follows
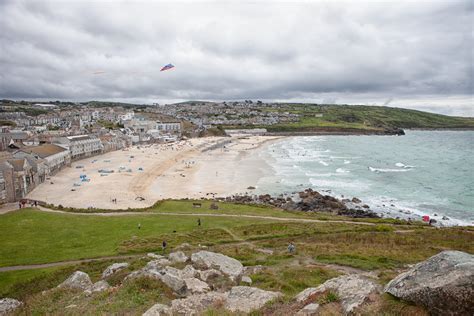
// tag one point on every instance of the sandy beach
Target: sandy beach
(145, 174)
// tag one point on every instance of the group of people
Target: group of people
(22, 204)
(114, 200)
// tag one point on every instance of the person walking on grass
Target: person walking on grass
(139, 225)
(163, 245)
(291, 248)
(199, 222)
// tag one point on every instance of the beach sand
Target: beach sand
(188, 169)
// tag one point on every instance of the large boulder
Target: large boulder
(246, 299)
(78, 280)
(114, 268)
(211, 260)
(8, 305)
(444, 284)
(172, 279)
(195, 304)
(157, 264)
(196, 286)
(158, 310)
(100, 286)
(178, 257)
(208, 275)
(352, 290)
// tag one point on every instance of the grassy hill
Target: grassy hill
(325, 249)
(314, 117)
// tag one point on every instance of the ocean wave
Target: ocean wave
(324, 175)
(346, 162)
(323, 163)
(324, 183)
(402, 165)
(377, 170)
(340, 170)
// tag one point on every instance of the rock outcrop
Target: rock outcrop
(158, 310)
(352, 290)
(309, 310)
(114, 268)
(8, 305)
(78, 280)
(196, 286)
(177, 257)
(211, 260)
(194, 304)
(246, 299)
(100, 286)
(444, 284)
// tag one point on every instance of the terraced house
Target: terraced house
(81, 146)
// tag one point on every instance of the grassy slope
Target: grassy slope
(366, 118)
(31, 236)
(28, 236)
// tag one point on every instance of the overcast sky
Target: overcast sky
(416, 54)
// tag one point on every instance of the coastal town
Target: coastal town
(37, 140)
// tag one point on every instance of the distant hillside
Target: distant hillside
(360, 117)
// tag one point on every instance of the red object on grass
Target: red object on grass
(426, 218)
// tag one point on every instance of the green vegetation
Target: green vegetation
(28, 236)
(291, 280)
(109, 124)
(323, 251)
(314, 117)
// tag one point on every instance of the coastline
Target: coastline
(142, 175)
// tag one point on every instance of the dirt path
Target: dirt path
(64, 263)
(282, 219)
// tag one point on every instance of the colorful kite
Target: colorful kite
(167, 67)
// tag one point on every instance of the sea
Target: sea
(422, 173)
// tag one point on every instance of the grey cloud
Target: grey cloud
(369, 52)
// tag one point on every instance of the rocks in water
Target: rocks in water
(211, 260)
(8, 305)
(246, 279)
(78, 280)
(114, 268)
(309, 310)
(100, 286)
(251, 188)
(444, 284)
(351, 289)
(309, 201)
(178, 257)
(356, 200)
(158, 310)
(246, 299)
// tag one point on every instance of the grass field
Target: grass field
(31, 236)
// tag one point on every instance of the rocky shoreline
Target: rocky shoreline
(308, 201)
